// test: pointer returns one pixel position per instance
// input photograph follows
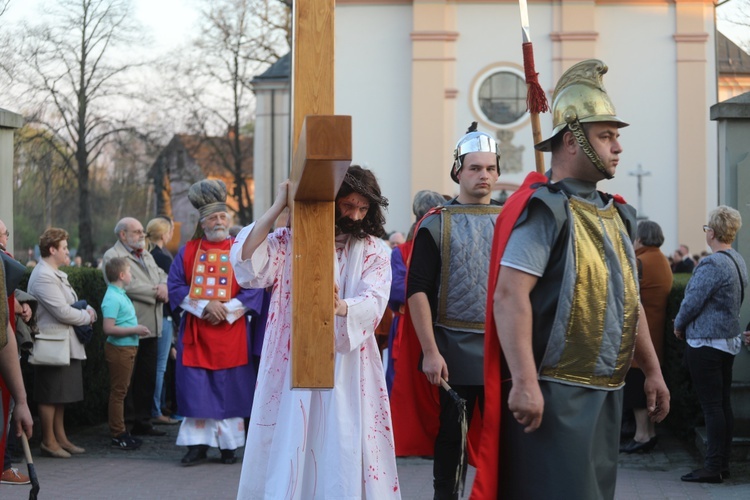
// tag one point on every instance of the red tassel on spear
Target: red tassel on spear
(536, 99)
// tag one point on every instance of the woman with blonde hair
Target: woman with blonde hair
(58, 354)
(709, 321)
(159, 232)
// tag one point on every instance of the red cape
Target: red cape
(488, 463)
(415, 403)
(4, 388)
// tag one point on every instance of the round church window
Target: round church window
(501, 97)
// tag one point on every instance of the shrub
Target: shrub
(685, 413)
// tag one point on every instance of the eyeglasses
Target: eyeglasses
(706, 228)
(6, 233)
(137, 231)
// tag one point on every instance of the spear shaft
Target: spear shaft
(536, 100)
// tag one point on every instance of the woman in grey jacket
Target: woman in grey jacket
(709, 321)
(56, 385)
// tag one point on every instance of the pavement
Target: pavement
(154, 472)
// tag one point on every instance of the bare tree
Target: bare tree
(75, 75)
(736, 13)
(237, 39)
(7, 49)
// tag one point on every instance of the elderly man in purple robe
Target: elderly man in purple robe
(220, 336)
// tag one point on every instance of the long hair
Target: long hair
(156, 230)
(363, 182)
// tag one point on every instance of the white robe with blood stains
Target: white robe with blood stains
(320, 444)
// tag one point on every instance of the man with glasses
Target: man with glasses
(10, 475)
(682, 261)
(148, 292)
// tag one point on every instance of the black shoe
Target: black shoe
(195, 455)
(702, 476)
(227, 457)
(147, 430)
(125, 442)
(637, 447)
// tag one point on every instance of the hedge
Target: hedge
(685, 412)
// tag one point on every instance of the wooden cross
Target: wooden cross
(322, 145)
(640, 174)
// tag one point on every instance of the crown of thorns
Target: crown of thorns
(360, 188)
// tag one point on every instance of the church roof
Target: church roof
(280, 70)
(212, 154)
(731, 58)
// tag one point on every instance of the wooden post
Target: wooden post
(322, 153)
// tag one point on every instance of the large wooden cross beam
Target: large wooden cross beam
(322, 146)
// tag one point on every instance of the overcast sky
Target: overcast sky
(170, 22)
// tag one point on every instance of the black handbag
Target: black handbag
(83, 332)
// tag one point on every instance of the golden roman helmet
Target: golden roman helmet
(580, 97)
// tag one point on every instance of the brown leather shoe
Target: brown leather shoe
(164, 420)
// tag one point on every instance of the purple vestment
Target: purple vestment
(217, 394)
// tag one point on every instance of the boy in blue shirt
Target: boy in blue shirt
(123, 331)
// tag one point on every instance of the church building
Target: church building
(413, 74)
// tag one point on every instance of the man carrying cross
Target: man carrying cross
(312, 443)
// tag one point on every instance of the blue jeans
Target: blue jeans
(711, 372)
(162, 354)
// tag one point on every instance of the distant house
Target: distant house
(191, 158)
(734, 68)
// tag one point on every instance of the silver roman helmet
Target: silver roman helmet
(473, 142)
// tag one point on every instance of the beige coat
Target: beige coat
(55, 295)
(142, 289)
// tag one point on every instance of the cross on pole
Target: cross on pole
(322, 153)
(640, 174)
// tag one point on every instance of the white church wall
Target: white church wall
(491, 38)
(271, 146)
(638, 45)
(373, 85)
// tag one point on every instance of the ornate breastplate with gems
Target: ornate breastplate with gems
(212, 275)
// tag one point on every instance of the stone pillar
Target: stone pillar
(9, 121)
(691, 45)
(733, 117)
(574, 34)
(433, 94)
